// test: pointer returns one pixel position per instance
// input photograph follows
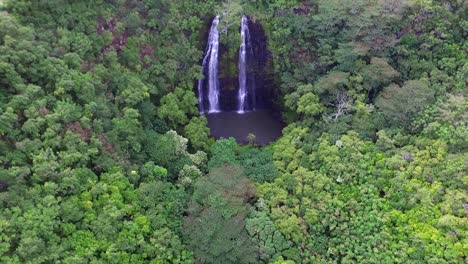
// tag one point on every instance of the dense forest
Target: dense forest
(105, 158)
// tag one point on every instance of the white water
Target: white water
(211, 61)
(245, 94)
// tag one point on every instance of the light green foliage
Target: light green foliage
(149, 171)
(292, 99)
(159, 171)
(197, 132)
(175, 106)
(287, 149)
(309, 105)
(230, 12)
(447, 120)
(352, 196)
(179, 141)
(134, 90)
(102, 215)
(200, 159)
(189, 174)
(76, 42)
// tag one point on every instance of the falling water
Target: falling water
(211, 58)
(245, 95)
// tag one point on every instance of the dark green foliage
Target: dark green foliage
(271, 242)
(401, 104)
(215, 226)
(223, 153)
(258, 165)
(168, 150)
(163, 204)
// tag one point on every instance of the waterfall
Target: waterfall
(246, 95)
(210, 61)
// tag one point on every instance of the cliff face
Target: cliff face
(262, 65)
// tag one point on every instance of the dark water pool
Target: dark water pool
(262, 123)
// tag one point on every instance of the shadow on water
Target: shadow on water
(264, 124)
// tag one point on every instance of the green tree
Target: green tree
(223, 153)
(176, 105)
(215, 226)
(309, 105)
(258, 164)
(198, 133)
(7, 120)
(401, 104)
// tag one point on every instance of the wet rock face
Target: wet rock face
(263, 66)
(228, 96)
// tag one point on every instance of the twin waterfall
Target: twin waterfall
(246, 95)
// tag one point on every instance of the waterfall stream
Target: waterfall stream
(210, 65)
(246, 95)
